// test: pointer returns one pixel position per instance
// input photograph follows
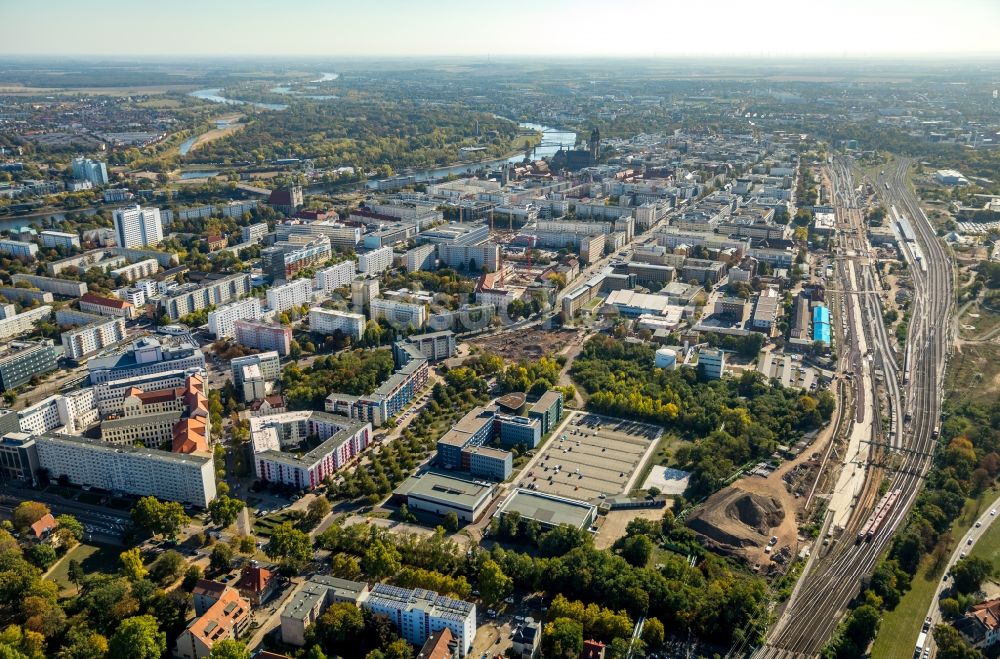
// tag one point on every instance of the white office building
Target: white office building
(23, 322)
(221, 321)
(399, 313)
(328, 321)
(376, 261)
(334, 277)
(187, 478)
(286, 296)
(136, 226)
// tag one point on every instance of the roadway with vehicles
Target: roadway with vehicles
(903, 455)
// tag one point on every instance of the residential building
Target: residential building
(107, 306)
(206, 593)
(592, 247)
(93, 171)
(765, 311)
(22, 360)
(363, 293)
(420, 258)
(110, 396)
(189, 298)
(419, 613)
(59, 239)
(255, 232)
(117, 195)
(309, 602)
(527, 640)
(164, 418)
(24, 322)
(64, 287)
(435, 346)
(485, 257)
(17, 249)
(256, 583)
(188, 478)
(269, 363)
(400, 314)
(26, 296)
(703, 271)
(375, 262)
(72, 413)
(980, 625)
(222, 321)
(137, 270)
(144, 357)
(228, 618)
(342, 440)
(286, 296)
(281, 261)
(336, 276)
(97, 335)
(391, 396)
(328, 321)
(263, 336)
(136, 226)
(442, 644)
(711, 363)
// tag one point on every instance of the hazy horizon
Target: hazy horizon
(644, 29)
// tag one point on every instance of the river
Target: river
(214, 96)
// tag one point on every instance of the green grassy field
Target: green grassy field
(93, 558)
(988, 546)
(898, 632)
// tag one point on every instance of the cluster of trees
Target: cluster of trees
(460, 392)
(571, 622)
(42, 554)
(164, 518)
(445, 280)
(731, 421)
(354, 372)
(533, 377)
(512, 528)
(363, 132)
(346, 631)
(745, 346)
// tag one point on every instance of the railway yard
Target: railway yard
(884, 449)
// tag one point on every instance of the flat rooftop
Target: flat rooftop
(446, 489)
(549, 509)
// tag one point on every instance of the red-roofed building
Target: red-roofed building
(286, 200)
(592, 650)
(440, 645)
(226, 618)
(108, 306)
(43, 528)
(256, 584)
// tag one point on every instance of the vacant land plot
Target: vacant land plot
(615, 523)
(527, 344)
(92, 558)
(974, 373)
(595, 457)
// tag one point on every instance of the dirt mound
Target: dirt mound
(757, 512)
(734, 519)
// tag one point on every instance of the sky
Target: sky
(499, 28)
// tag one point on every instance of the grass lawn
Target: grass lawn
(988, 546)
(897, 636)
(974, 373)
(94, 558)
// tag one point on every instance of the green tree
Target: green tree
(132, 567)
(317, 510)
(70, 530)
(137, 638)
(381, 559)
(398, 649)
(76, 573)
(191, 577)
(290, 545)
(951, 645)
(494, 585)
(969, 574)
(28, 512)
(221, 558)
(562, 639)
(159, 517)
(229, 649)
(451, 521)
(636, 549)
(42, 555)
(653, 633)
(223, 510)
(167, 568)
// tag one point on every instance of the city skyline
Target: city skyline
(774, 28)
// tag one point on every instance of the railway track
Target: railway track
(835, 577)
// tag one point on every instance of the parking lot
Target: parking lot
(592, 458)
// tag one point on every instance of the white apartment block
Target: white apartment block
(399, 313)
(255, 232)
(23, 322)
(293, 294)
(59, 239)
(376, 261)
(328, 321)
(420, 258)
(187, 478)
(269, 363)
(92, 337)
(419, 613)
(334, 277)
(136, 226)
(137, 270)
(65, 287)
(220, 321)
(192, 297)
(17, 248)
(72, 413)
